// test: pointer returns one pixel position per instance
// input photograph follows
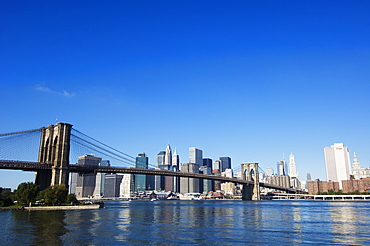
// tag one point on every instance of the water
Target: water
(193, 222)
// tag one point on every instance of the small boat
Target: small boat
(153, 199)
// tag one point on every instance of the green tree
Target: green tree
(5, 197)
(71, 199)
(56, 194)
(26, 193)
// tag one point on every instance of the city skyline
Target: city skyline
(246, 80)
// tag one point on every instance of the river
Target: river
(193, 223)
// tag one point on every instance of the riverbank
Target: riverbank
(91, 206)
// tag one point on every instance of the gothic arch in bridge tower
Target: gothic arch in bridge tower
(54, 149)
(250, 173)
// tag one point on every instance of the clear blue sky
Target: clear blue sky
(249, 80)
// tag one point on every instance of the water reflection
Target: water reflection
(39, 227)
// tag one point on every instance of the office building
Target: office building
(337, 163)
(99, 183)
(207, 162)
(127, 186)
(189, 185)
(196, 156)
(217, 166)
(176, 159)
(206, 185)
(159, 181)
(112, 185)
(225, 163)
(292, 171)
(281, 168)
(142, 161)
(269, 171)
(85, 183)
(168, 156)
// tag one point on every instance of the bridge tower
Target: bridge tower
(54, 149)
(250, 173)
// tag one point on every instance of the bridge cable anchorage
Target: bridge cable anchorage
(116, 157)
(14, 133)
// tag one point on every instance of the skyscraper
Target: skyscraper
(281, 168)
(176, 159)
(207, 162)
(189, 185)
(225, 163)
(85, 183)
(196, 156)
(168, 156)
(292, 171)
(337, 163)
(142, 161)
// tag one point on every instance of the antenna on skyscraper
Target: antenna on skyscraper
(283, 156)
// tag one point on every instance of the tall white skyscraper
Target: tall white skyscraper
(292, 168)
(168, 156)
(175, 159)
(196, 156)
(337, 163)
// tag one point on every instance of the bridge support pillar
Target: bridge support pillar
(54, 148)
(250, 173)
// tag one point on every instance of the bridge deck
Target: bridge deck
(35, 166)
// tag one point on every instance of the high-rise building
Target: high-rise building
(225, 163)
(281, 168)
(176, 159)
(159, 180)
(308, 177)
(127, 186)
(85, 183)
(217, 166)
(207, 162)
(189, 185)
(168, 156)
(292, 171)
(269, 171)
(337, 163)
(206, 185)
(99, 183)
(196, 156)
(112, 185)
(142, 161)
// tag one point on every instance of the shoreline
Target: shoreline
(92, 206)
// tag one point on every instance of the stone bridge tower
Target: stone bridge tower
(250, 173)
(54, 149)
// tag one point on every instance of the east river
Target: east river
(193, 222)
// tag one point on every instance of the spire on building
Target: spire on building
(355, 163)
(292, 168)
(168, 156)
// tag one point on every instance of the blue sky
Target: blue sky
(249, 80)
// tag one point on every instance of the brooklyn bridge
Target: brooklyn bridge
(50, 152)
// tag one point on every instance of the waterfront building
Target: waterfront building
(85, 183)
(225, 163)
(142, 161)
(112, 185)
(357, 171)
(228, 188)
(317, 186)
(206, 185)
(196, 156)
(189, 185)
(207, 162)
(337, 163)
(99, 183)
(279, 180)
(127, 188)
(362, 185)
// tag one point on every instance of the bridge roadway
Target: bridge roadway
(35, 166)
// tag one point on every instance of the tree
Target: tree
(71, 199)
(5, 197)
(26, 193)
(56, 194)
